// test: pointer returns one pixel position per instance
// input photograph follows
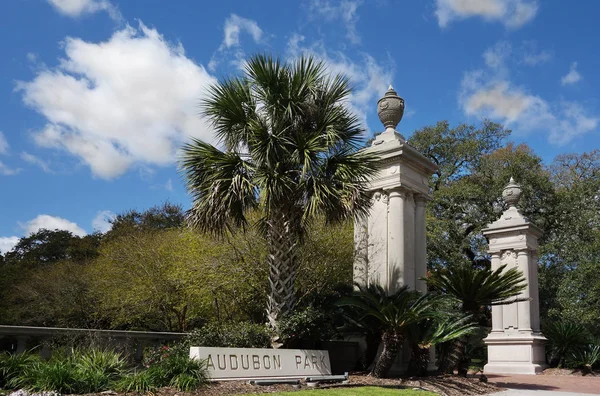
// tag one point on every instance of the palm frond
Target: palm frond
(221, 185)
(479, 287)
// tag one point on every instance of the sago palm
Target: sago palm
(476, 289)
(429, 332)
(288, 145)
(392, 314)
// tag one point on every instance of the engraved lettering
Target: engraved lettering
(298, 361)
(256, 362)
(209, 362)
(232, 360)
(277, 361)
(247, 365)
(323, 363)
(314, 361)
(219, 362)
(306, 362)
(266, 362)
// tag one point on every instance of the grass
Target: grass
(357, 391)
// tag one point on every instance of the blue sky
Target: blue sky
(98, 95)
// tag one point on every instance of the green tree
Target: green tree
(156, 280)
(49, 246)
(290, 146)
(570, 265)
(474, 167)
(159, 217)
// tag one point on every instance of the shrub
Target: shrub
(231, 335)
(564, 339)
(58, 375)
(97, 369)
(138, 381)
(172, 366)
(12, 367)
(585, 357)
(306, 327)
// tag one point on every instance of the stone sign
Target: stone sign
(254, 363)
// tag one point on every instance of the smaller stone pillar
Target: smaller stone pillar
(515, 344)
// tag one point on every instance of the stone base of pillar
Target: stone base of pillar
(515, 354)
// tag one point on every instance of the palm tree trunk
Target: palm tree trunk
(391, 340)
(462, 361)
(419, 361)
(282, 268)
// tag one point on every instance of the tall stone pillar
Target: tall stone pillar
(420, 243)
(515, 344)
(390, 247)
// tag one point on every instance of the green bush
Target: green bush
(78, 371)
(59, 375)
(137, 381)
(12, 367)
(585, 357)
(172, 366)
(306, 327)
(231, 335)
(97, 369)
(564, 339)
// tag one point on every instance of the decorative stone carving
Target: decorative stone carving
(512, 193)
(390, 109)
(385, 198)
(509, 257)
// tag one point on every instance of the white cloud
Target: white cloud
(512, 13)
(169, 185)
(102, 221)
(234, 25)
(572, 76)
(78, 8)
(32, 159)
(231, 46)
(496, 56)
(6, 170)
(533, 59)
(345, 10)
(531, 56)
(3, 144)
(369, 78)
(490, 93)
(8, 243)
(51, 223)
(501, 100)
(130, 100)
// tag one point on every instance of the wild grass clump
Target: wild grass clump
(12, 367)
(95, 370)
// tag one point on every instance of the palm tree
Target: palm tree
(289, 147)
(427, 333)
(392, 314)
(475, 289)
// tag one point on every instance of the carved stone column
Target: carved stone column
(497, 326)
(420, 243)
(515, 344)
(396, 276)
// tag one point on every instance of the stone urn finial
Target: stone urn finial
(512, 193)
(390, 109)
